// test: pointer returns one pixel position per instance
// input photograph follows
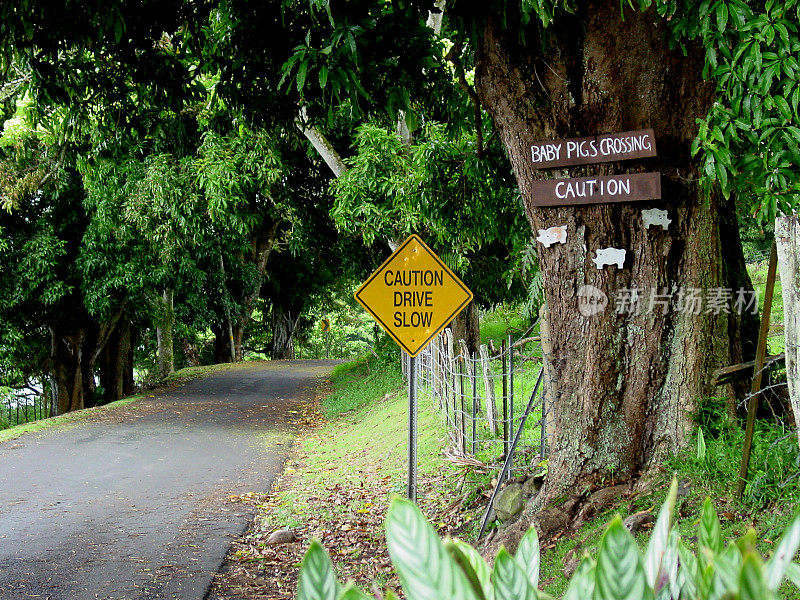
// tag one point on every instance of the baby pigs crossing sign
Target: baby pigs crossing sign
(413, 295)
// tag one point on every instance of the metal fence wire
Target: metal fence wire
(484, 397)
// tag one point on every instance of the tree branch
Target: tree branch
(454, 56)
(321, 144)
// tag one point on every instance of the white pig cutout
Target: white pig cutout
(609, 256)
(548, 237)
(655, 216)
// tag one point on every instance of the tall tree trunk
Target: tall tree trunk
(222, 344)
(66, 357)
(165, 334)
(88, 358)
(190, 353)
(787, 237)
(625, 384)
(466, 326)
(237, 334)
(116, 363)
(282, 334)
(261, 248)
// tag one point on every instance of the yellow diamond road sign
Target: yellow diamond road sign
(413, 295)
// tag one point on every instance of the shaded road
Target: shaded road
(133, 502)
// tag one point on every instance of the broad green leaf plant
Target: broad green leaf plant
(432, 569)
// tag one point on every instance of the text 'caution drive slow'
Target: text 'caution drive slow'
(413, 295)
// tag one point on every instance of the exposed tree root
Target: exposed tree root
(562, 518)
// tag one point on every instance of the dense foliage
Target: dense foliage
(164, 137)
(429, 568)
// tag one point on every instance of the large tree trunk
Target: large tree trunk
(237, 333)
(787, 237)
(466, 326)
(261, 248)
(65, 365)
(282, 334)
(625, 384)
(116, 363)
(222, 343)
(165, 334)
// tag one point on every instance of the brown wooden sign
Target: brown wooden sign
(627, 145)
(631, 187)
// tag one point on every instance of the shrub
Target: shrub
(432, 569)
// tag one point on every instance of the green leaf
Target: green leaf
(581, 586)
(783, 107)
(784, 555)
(475, 568)
(701, 445)
(722, 15)
(728, 564)
(510, 580)
(528, 555)
(620, 574)
(751, 580)
(722, 177)
(710, 536)
(317, 580)
(670, 588)
(302, 70)
(426, 569)
(119, 29)
(323, 76)
(351, 592)
(659, 538)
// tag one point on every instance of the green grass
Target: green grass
(367, 433)
(769, 504)
(359, 383)
(175, 379)
(502, 321)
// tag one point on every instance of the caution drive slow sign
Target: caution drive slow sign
(413, 295)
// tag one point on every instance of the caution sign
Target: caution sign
(325, 325)
(413, 295)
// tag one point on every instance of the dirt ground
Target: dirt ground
(348, 520)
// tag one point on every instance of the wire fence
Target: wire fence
(774, 389)
(483, 398)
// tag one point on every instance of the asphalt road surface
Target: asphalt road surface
(135, 502)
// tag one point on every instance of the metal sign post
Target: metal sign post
(413, 296)
(325, 326)
(412, 429)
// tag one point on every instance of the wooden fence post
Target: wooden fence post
(758, 369)
(787, 238)
(488, 386)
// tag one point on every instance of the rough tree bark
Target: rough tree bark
(116, 363)
(625, 383)
(466, 326)
(164, 334)
(78, 341)
(222, 346)
(66, 367)
(282, 333)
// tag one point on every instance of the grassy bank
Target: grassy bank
(707, 469)
(175, 379)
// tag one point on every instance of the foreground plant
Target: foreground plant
(432, 569)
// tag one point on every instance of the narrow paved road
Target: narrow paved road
(134, 502)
